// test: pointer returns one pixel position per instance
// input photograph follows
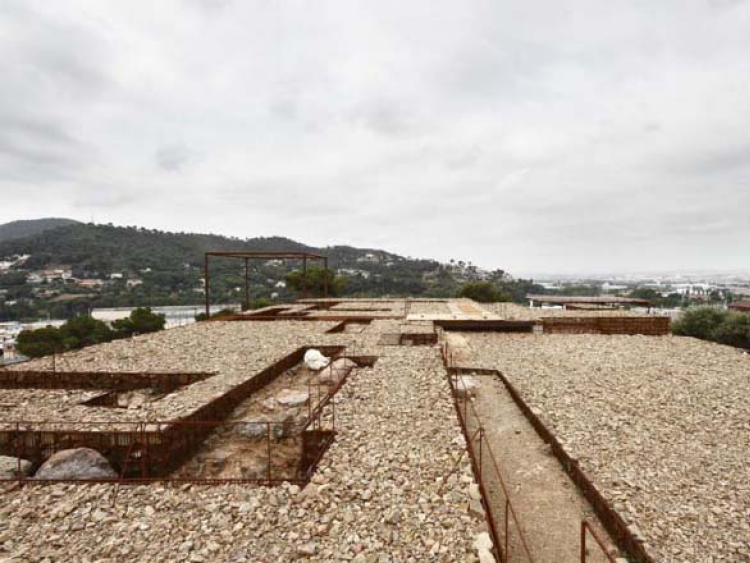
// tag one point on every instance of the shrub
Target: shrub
(699, 322)
(40, 342)
(315, 278)
(483, 292)
(734, 331)
(141, 321)
(84, 331)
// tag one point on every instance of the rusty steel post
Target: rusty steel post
(583, 541)
(304, 278)
(325, 277)
(18, 454)
(247, 285)
(268, 438)
(206, 284)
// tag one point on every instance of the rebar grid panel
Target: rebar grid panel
(610, 519)
(260, 255)
(156, 449)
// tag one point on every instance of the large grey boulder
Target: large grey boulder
(78, 463)
(9, 467)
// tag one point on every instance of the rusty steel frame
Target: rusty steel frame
(148, 444)
(176, 440)
(248, 255)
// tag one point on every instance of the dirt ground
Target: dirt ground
(240, 448)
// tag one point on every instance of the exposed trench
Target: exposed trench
(549, 506)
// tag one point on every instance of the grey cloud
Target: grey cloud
(174, 158)
(525, 135)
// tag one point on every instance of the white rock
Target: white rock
(314, 360)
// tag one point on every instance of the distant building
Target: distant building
(92, 284)
(54, 274)
(134, 282)
(116, 276)
(741, 306)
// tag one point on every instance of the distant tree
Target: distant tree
(699, 322)
(141, 321)
(734, 330)
(40, 342)
(315, 278)
(83, 331)
(483, 292)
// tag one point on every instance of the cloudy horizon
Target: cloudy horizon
(530, 136)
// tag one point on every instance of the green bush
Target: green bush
(316, 277)
(483, 292)
(734, 331)
(141, 321)
(699, 322)
(84, 331)
(40, 342)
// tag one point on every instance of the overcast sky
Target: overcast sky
(529, 135)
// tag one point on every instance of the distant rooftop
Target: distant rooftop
(601, 300)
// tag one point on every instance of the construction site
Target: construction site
(382, 430)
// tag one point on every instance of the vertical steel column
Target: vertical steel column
(206, 284)
(583, 541)
(304, 277)
(325, 277)
(247, 286)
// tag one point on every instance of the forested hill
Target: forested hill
(139, 266)
(98, 250)
(30, 227)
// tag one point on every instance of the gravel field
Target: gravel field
(376, 497)
(660, 424)
(236, 351)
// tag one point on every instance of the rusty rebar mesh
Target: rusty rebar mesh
(205, 451)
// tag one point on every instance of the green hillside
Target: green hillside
(31, 227)
(148, 267)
